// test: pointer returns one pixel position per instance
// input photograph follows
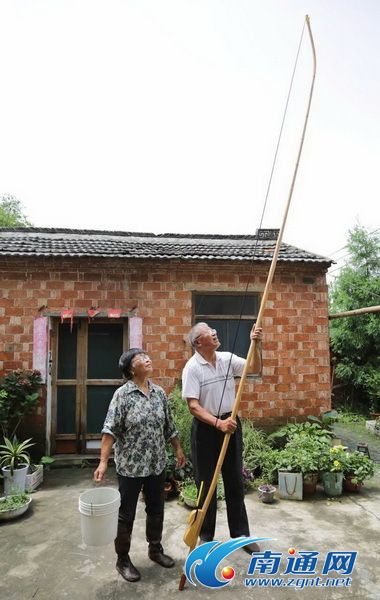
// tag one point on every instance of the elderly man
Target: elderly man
(208, 385)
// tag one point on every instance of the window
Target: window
(222, 311)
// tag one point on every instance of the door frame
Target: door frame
(81, 382)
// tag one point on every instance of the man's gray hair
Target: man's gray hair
(195, 332)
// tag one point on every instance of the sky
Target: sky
(163, 116)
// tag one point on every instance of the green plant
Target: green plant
(19, 397)
(269, 465)
(13, 454)
(255, 445)
(189, 490)
(325, 420)
(175, 473)
(348, 416)
(248, 478)
(359, 466)
(182, 418)
(12, 502)
(333, 459)
(356, 341)
(317, 428)
(303, 452)
(46, 461)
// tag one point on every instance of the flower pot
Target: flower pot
(290, 485)
(336, 441)
(168, 489)
(310, 483)
(190, 502)
(33, 480)
(332, 483)
(266, 493)
(349, 486)
(12, 513)
(15, 484)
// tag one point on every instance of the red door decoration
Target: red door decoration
(92, 312)
(114, 313)
(68, 313)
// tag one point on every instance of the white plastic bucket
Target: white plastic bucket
(99, 510)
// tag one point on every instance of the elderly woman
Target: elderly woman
(139, 423)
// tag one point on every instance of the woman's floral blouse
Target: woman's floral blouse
(141, 426)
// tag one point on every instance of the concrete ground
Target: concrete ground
(43, 557)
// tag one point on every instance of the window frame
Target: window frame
(198, 317)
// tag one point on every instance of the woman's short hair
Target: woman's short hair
(125, 361)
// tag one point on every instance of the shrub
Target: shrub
(358, 465)
(182, 418)
(255, 445)
(19, 396)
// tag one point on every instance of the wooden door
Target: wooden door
(85, 374)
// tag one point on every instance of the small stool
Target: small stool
(362, 447)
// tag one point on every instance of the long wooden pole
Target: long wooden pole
(357, 311)
(197, 516)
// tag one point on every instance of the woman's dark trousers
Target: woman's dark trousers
(130, 488)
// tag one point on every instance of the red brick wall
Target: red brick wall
(296, 373)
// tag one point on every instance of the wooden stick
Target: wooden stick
(353, 313)
(196, 517)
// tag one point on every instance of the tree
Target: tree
(355, 340)
(11, 212)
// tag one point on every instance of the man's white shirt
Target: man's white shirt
(208, 384)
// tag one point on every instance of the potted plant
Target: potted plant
(289, 474)
(13, 506)
(308, 449)
(189, 493)
(266, 493)
(14, 461)
(357, 467)
(248, 478)
(176, 476)
(332, 466)
(34, 476)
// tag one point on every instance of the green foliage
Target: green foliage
(356, 340)
(46, 460)
(255, 445)
(19, 397)
(12, 502)
(11, 212)
(182, 418)
(269, 465)
(347, 416)
(175, 473)
(13, 454)
(190, 490)
(359, 465)
(319, 429)
(303, 453)
(333, 459)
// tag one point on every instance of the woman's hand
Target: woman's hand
(99, 473)
(181, 458)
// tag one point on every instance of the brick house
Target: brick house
(148, 290)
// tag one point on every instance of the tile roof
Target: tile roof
(39, 242)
